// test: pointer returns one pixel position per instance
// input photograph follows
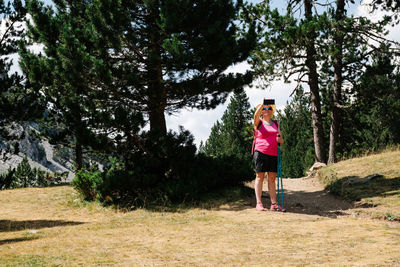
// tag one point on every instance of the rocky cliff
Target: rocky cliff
(18, 140)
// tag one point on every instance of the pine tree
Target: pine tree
(214, 145)
(295, 122)
(62, 72)
(167, 55)
(373, 122)
(236, 119)
(288, 46)
(348, 50)
(230, 136)
(11, 30)
(18, 101)
(110, 65)
(331, 48)
(24, 176)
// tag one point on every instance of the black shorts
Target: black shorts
(265, 163)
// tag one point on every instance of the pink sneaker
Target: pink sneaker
(276, 207)
(260, 206)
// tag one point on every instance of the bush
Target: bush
(176, 174)
(201, 174)
(186, 180)
(86, 183)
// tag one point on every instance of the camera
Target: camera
(269, 101)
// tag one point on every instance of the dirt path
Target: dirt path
(307, 196)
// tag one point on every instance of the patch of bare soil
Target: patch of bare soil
(307, 196)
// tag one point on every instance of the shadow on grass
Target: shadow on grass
(239, 198)
(340, 196)
(15, 240)
(233, 198)
(11, 226)
(378, 187)
(320, 203)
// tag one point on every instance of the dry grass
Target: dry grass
(51, 227)
(381, 195)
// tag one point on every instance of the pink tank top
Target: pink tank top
(265, 139)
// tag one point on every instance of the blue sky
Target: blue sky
(199, 122)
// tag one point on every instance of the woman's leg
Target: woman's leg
(258, 185)
(272, 186)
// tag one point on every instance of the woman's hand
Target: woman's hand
(279, 139)
(257, 116)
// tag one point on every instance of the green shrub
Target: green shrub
(175, 174)
(86, 183)
(129, 188)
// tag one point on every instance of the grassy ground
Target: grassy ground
(380, 197)
(52, 227)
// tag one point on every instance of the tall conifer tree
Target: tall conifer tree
(288, 47)
(329, 43)
(18, 100)
(61, 72)
(167, 55)
(347, 42)
(230, 136)
(111, 64)
(295, 124)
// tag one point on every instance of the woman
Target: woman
(266, 138)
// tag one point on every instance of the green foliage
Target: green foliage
(317, 45)
(24, 176)
(19, 101)
(231, 136)
(373, 122)
(107, 72)
(187, 177)
(6, 179)
(11, 13)
(86, 183)
(295, 125)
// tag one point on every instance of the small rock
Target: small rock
(312, 171)
(317, 166)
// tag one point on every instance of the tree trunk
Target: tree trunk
(77, 118)
(337, 84)
(78, 155)
(314, 89)
(156, 90)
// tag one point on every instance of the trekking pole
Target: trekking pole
(280, 183)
